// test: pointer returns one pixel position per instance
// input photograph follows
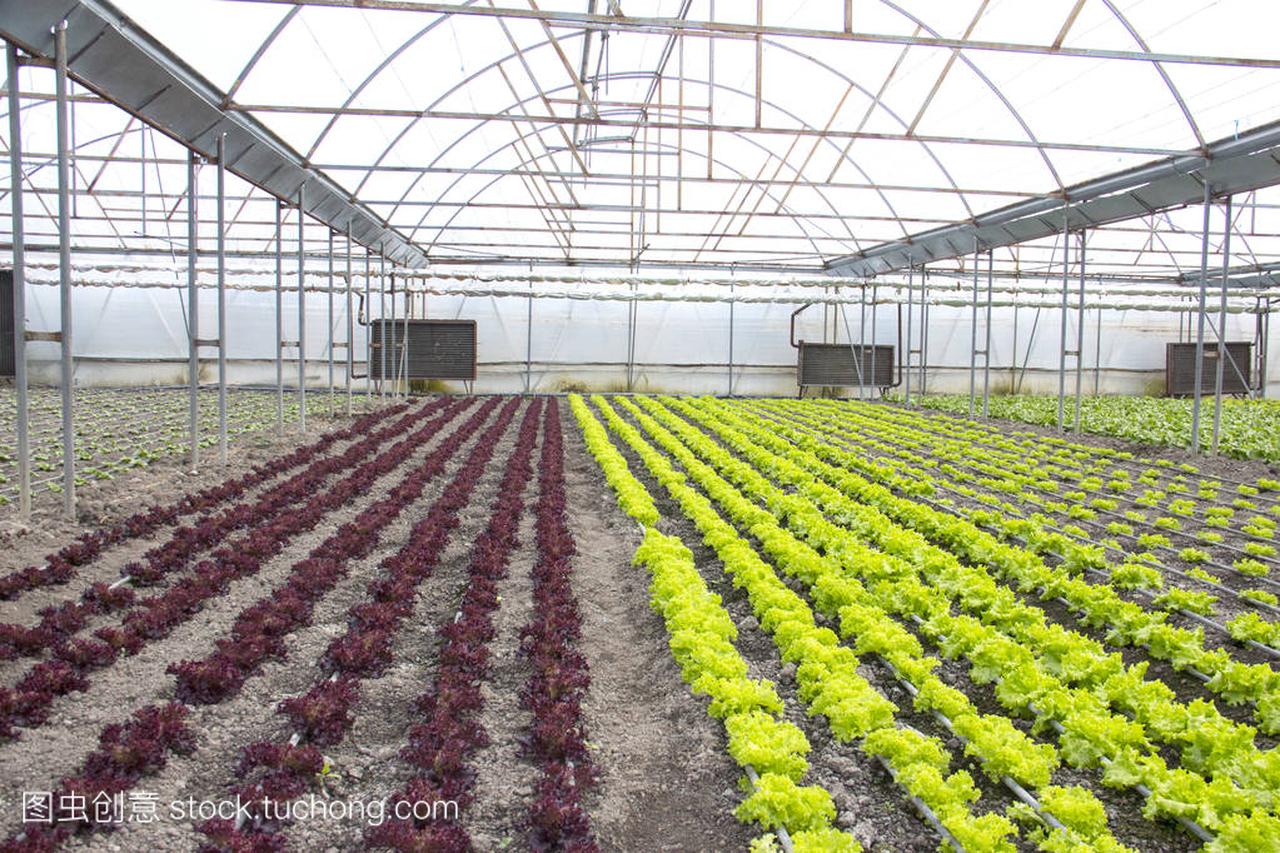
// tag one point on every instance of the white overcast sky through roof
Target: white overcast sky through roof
(999, 127)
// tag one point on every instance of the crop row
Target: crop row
(258, 632)
(1248, 427)
(701, 637)
(271, 772)
(59, 622)
(116, 431)
(1138, 570)
(1004, 753)
(558, 679)
(1097, 604)
(27, 704)
(1031, 663)
(1215, 532)
(61, 566)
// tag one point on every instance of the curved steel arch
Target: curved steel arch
(964, 199)
(382, 66)
(1164, 75)
(260, 52)
(630, 74)
(440, 229)
(872, 184)
(995, 90)
(773, 43)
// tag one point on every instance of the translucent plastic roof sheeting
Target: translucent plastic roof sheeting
(479, 137)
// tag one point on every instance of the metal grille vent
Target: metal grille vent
(836, 365)
(1180, 369)
(436, 349)
(6, 323)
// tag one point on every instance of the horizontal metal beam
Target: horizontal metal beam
(1239, 164)
(724, 29)
(123, 64)
(656, 124)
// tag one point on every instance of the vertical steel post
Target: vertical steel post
(382, 324)
(924, 330)
(1204, 287)
(1264, 348)
(986, 347)
(907, 345)
(973, 331)
(403, 361)
(222, 298)
(368, 330)
(528, 342)
(395, 350)
(280, 318)
(875, 292)
(862, 338)
(1062, 336)
(193, 310)
(332, 387)
(1097, 355)
(302, 308)
(19, 286)
(1080, 336)
(351, 322)
(1222, 327)
(64, 277)
(732, 304)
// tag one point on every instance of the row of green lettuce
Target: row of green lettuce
(1250, 428)
(1061, 678)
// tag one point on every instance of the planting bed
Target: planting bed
(121, 431)
(650, 623)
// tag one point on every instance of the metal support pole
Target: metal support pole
(528, 343)
(986, 347)
(351, 323)
(1204, 287)
(731, 329)
(973, 331)
(193, 311)
(1075, 423)
(279, 318)
(631, 340)
(19, 287)
(332, 385)
(403, 361)
(907, 345)
(222, 298)
(1263, 351)
(1097, 356)
(302, 309)
(1062, 337)
(862, 339)
(875, 291)
(394, 350)
(382, 324)
(64, 278)
(368, 330)
(1222, 327)
(924, 330)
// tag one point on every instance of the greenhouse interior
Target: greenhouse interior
(630, 425)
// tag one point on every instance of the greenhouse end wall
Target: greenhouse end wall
(138, 337)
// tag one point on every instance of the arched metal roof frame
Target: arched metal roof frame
(625, 75)
(441, 229)
(962, 48)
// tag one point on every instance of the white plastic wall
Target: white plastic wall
(133, 336)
